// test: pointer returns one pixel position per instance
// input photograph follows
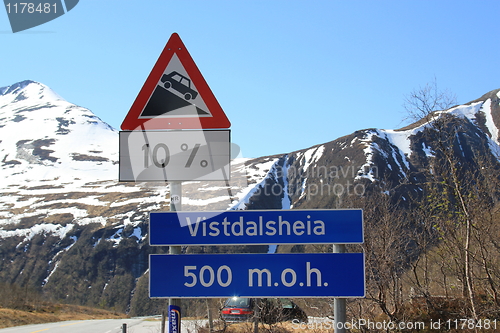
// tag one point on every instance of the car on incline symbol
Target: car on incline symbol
(179, 83)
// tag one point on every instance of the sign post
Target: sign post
(168, 134)
(174, 304)
(339, 304)
(155, 146)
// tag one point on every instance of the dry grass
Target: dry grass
(53, 313)
(283, 327)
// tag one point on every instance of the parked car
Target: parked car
(272, 310)
(238, 309)
(179, 83)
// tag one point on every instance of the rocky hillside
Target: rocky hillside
(397, 160)
(67, 226)
(71, 230)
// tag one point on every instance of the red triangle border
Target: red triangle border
(218, 118)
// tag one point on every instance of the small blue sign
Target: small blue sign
(174, 319)
(257, 227)
(257, 275)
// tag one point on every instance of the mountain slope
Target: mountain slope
(320, 176)
(67, 226)
(71, 230)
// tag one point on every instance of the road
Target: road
(134, 325)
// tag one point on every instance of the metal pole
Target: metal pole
(256, 315)
(339, 304)
(175, 205)
(124, 328)
(163, 315)
(210, 319)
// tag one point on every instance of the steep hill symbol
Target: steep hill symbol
(172, 97)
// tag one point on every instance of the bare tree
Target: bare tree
(460, 202)
(386, 247)
(422, 103)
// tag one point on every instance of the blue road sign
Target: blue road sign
(257, 227)
(257, 275)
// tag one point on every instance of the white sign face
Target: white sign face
(174, 155)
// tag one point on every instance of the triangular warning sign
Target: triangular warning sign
(175, 95)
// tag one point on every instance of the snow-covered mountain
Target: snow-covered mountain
(57, 157)
(62, 140)
(60, 191)
(69, 228)
(58, 164)
(320, 176)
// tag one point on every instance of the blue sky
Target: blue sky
(289, 74)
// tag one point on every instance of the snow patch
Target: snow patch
(465, 111)
(490, 124)
(50, 274)
(285, 202)
(248, 192)
(47, 229)
(312, 156)
(427, 150)
(202, 202)
(369, 153)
